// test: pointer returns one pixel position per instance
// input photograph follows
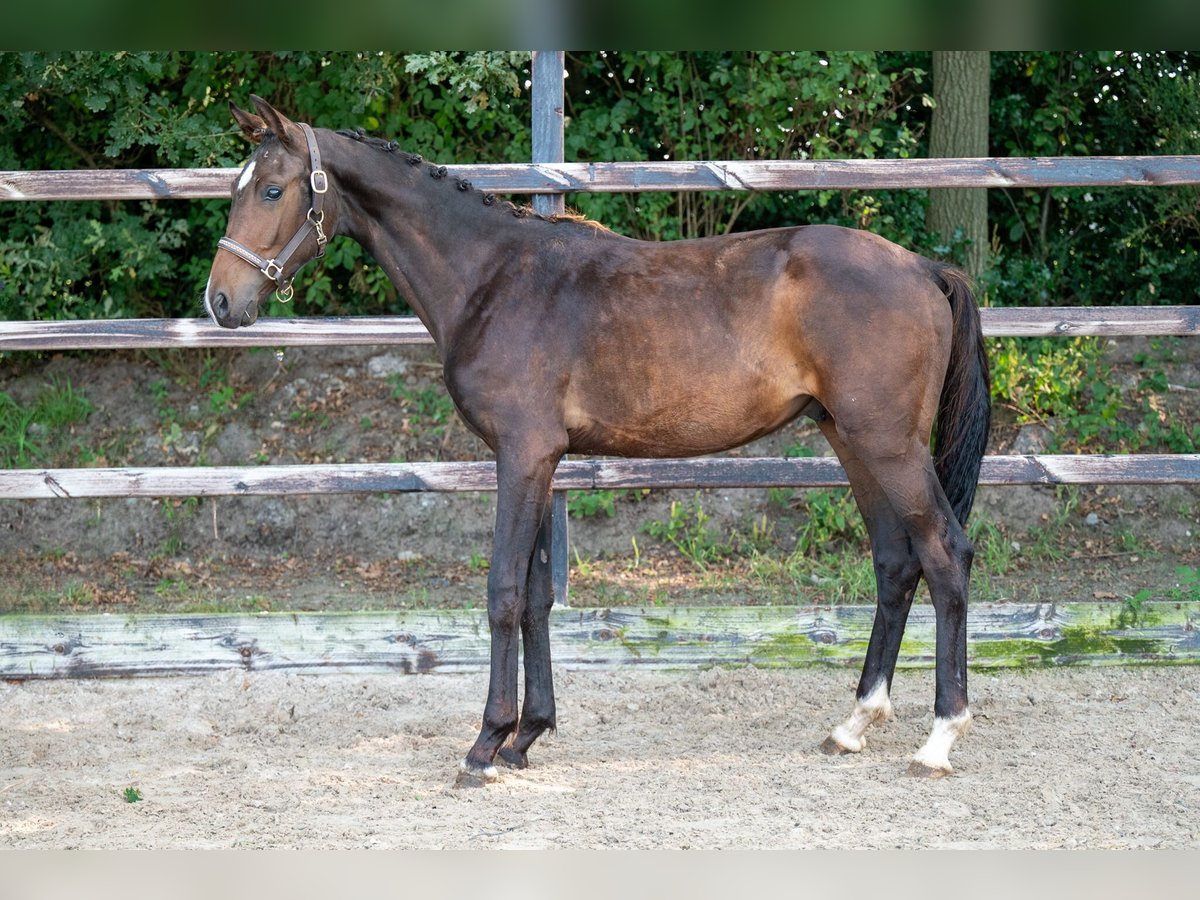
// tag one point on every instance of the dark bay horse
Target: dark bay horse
(560, 336)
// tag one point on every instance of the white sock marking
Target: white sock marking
(874, 707)
(936, 752)
(487, 774)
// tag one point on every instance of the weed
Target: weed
(1046, 541)
(994, 552)
(688, 531)
(131, 794)
(221, 400)
(846, 576)
(832, 518)
(1188, 587)
(588, 504)
(583, 567)
(171, 586)
(478, 562)
(1131, 610)
(432, 406)
(177, 512)
(306, 417)
(759, 539)
(1044, 378)
(76, 594)
(31, 434)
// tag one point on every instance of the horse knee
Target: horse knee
(505, 603)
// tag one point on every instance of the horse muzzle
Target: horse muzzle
(227, 315)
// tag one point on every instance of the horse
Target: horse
(559, 336)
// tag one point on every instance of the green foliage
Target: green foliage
(476, 77)
(431, 406)
(1187, 589)
(833, 518)
(131, 794)
(588, 504)
(635, 106)
(30, 434)
(1044, 378)
(1067, 384)
(1094, 246)
(67, 109)
(687, 529)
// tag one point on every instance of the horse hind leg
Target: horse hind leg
(897, 572)
(902, 469)
(945, 554)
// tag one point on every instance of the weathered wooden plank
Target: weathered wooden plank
(724, 175)
(117, 184)
(125, 334)
(1077, 321)
(572, 474)
(418, 641)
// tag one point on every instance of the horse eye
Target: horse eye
(273, 193)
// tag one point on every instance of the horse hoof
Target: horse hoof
(929, 773)
(473, 777)
(513, 759)
(831, 747)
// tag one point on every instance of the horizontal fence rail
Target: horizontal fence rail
(611, 177)
(118, 334)
(415, 642)
(580, 474)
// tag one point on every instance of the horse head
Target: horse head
(277, 221)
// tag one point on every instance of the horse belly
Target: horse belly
(686, 421)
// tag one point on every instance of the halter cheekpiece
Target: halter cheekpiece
(313, 222)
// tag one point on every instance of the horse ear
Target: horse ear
(252, 126)
(283, 128)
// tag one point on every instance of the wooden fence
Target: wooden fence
(548, 177)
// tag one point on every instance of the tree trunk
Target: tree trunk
(959, 128)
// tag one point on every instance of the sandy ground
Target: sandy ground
(708, 759)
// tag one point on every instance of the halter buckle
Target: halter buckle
(278, 273)
(319, 181)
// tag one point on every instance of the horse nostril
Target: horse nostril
(221, 306)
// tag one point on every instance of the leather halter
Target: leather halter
(313, 222)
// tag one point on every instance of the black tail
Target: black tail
(965, 410)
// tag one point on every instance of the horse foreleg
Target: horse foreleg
(523, 486)
(537, 708)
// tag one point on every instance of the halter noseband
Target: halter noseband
(313, 222)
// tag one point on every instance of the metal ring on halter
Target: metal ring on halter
(285, 294)
(316, 224)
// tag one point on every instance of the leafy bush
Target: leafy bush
(65, 110)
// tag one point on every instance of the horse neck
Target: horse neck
(432, 240)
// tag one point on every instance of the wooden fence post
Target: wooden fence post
(547, 79)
